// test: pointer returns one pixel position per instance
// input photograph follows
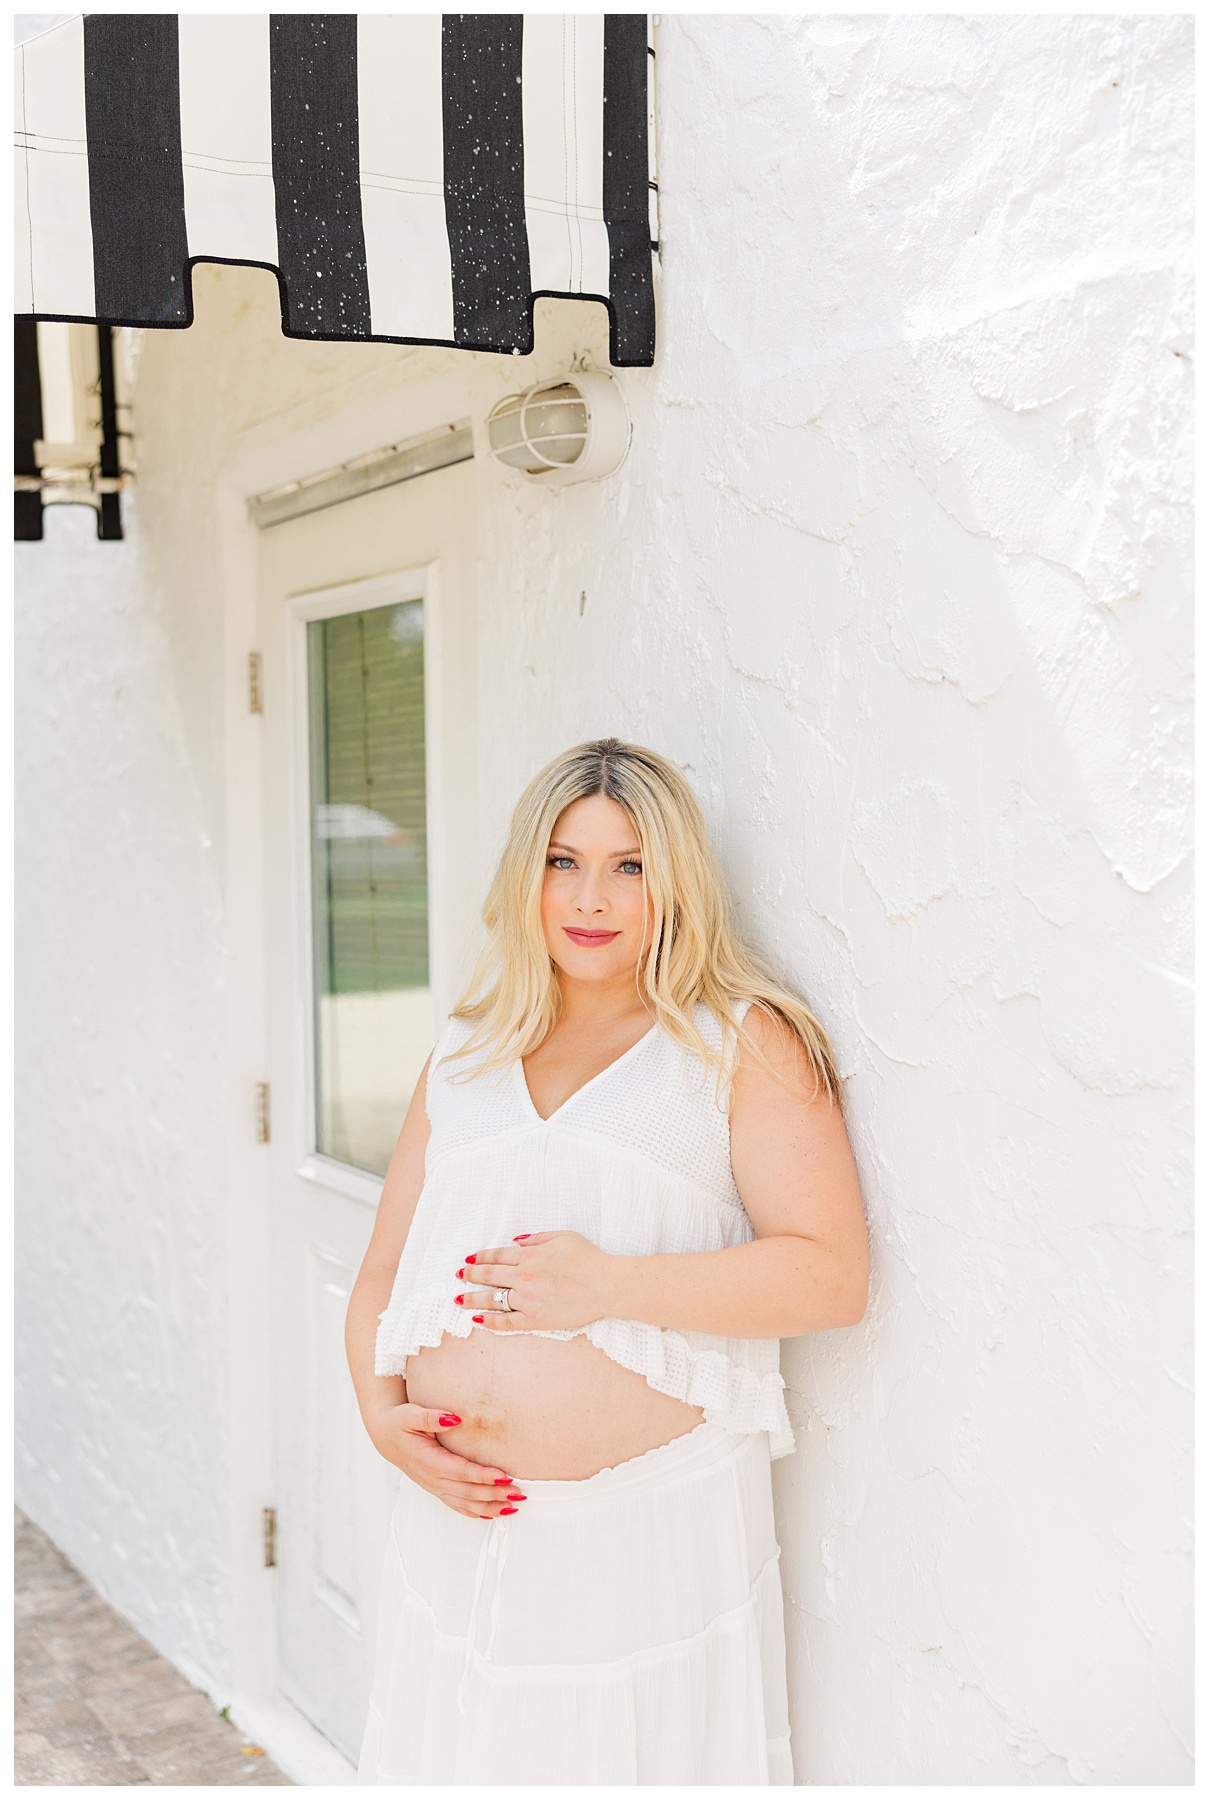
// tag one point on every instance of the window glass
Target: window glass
(373, 1019)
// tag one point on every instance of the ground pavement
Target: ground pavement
(96, 1707)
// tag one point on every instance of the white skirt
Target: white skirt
(624, 1630)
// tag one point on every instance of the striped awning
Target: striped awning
(410, 179)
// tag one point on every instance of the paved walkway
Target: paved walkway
(97, 1707)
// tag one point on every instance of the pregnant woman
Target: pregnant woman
(623, 1177)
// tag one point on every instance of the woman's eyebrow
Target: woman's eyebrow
(612, 856)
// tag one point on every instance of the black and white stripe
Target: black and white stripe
(317, 174)
(136, 189)
(484, 149)
(410, 178)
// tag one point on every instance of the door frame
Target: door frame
(251, 1689)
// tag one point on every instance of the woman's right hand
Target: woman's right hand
(406, 1436)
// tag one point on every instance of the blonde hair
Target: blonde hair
(695, 955)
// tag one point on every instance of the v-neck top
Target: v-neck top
(600, 1074)
(637, 1160)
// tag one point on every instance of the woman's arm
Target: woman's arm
(405, 1434)
(808, 1269)
(371, 1290)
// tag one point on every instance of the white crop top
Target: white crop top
(637, 1161)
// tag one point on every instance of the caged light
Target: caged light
(575, 429)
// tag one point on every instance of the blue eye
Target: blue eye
(559, 862)
(631, 868)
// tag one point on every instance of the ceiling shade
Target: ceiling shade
(409, 178)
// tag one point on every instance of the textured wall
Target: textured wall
(897, 569)
(122, 1398)
(929, 559)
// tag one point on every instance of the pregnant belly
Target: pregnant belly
(546, 1409)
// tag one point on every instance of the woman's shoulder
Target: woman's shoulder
(719, 1022)
(750, 1035)
(466, 1102)
(723, 1025)
(453, 1034)
(772, 1054)
(768, 1029)
(446, 1067)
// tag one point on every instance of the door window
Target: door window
(369, 921)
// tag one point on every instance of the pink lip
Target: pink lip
(588, 938)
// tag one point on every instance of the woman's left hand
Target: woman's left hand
(556, 1281)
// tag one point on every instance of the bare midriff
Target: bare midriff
(545, 1409)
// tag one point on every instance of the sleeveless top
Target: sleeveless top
(637, 1161)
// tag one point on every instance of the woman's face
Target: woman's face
(594, 905)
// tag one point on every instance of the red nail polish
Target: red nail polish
(503, 1481)
(486, 1516)
(505, 1510)
(450, 1419)
(516, 1496)
(472, 1259)
(522, 1237)
(476, 1318)
(459, 1299)
(461, 1272)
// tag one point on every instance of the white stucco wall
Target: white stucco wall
(122, 1397)
(898, 570)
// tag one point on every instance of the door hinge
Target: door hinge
(255, 683)
(270, 1537)
(262, 1112)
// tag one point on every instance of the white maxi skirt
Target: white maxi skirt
(623, 1630)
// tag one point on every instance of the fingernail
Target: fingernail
(503, 1481)
(476, 1318)
(486, 1516)
(472, 1259)
(516, 1496)
(450, 1419)
(459, 1299)
(461, 1272)
(505, 1510)
(522, 1237)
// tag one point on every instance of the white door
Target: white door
(369, 699)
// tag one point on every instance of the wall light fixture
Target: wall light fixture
(573, 429)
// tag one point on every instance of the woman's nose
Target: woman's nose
(591, 896)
